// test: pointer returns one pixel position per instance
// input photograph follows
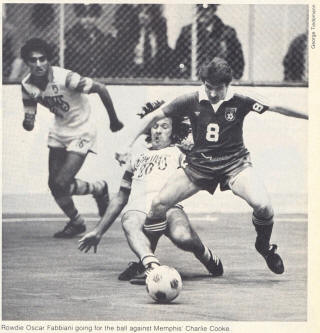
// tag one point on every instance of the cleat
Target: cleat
(70, 230)
(214, 265)
(140, 279)
(272, 259)
(133, 269)
(102, 200)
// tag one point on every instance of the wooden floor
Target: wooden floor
(50, 279)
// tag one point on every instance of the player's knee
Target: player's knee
(158, 208)
(156, 203)
(264, 210)
(59, 187)
(131, 224)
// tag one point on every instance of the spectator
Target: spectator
(86, 46)
(214, 39)
(141, 44)
(295, 62)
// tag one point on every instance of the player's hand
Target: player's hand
(28, 125)
(90, 239)
(122, 155)
(122, 158)
(116, 126)
(28, 121)
(185, 146)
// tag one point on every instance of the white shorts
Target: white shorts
(80, 143)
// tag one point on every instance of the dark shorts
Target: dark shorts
(209, 176)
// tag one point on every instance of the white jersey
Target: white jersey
(150, 171)
(64, 96)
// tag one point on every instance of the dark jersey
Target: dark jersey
(216, 134)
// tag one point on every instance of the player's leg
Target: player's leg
(181, 233)
(82, 145)
(63, 166)
(178, 187)
(98, 189)
(249, 187)
(140, 244)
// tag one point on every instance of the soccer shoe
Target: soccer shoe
(102, 200)
(214, 265)
(272, 259)
(70, 230)
(133, 269)
(140, 278)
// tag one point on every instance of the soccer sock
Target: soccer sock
(81, 187)
(263, 228)
(150, 260)
(67, 205)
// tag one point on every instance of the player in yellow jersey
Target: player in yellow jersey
(146, 173)
(73, 133)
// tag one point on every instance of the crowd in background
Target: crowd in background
(137, 47)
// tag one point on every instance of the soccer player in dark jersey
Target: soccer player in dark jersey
(219, 156)
(73, 133)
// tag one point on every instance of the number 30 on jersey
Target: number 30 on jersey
(212, 134)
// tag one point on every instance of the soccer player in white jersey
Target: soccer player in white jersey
(73, 133)
(146, 173)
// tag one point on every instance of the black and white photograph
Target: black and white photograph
(159, 166)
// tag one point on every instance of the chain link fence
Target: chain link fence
(140, 43)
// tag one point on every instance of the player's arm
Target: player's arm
(30, 111)
(102, 91)
(115, 207)
(144, 124)
(177, 106)
(259, 107)
(288, 112)
(87, 85)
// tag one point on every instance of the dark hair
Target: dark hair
(36, 44)
(207, 7)
(180, 129)
(217, 71)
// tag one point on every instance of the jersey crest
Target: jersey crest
(230, 114)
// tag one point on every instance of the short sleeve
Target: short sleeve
(75, 81)
(256, 105)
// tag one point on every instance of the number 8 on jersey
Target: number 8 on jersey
(212, 132)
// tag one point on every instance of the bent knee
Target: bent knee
(156, 203)
(59, 187)
(132, 221)
(158, 209)
(264, 210)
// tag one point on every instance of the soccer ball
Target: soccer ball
(163, 284)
